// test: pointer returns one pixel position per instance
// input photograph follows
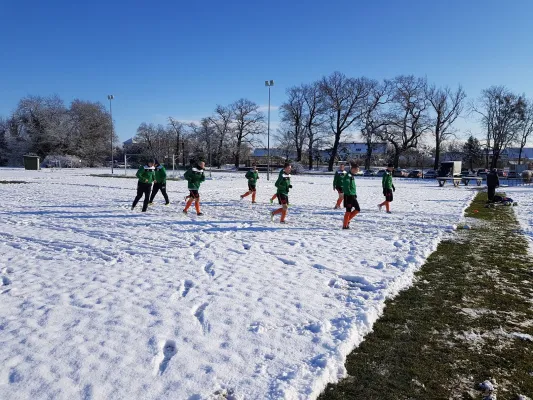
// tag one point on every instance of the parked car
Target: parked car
(465, 172)
(431, 174)
(482, 173)
(369, 172)
(502, 173)
(415, 174)
(381, 172)
(513, 175)
(400, 173)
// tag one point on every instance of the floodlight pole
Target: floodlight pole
(269, 84)
(111, 97)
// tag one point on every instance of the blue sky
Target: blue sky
(180, 59)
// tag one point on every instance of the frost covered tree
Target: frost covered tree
(406, 119)
(446, 107)
(342, 100)
(248, 123)
(90, 130)
(158, 141)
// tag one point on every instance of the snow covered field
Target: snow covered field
(524, 212)
(99, 302)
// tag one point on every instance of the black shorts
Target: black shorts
(194, 194)
(339, 189)
(351, 203)
(283, 199)
(388, 194)
(251, 187)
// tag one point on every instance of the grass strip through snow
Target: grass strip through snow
(467, 318)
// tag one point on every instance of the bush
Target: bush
(62, 161)
(297, 168)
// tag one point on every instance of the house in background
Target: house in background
(511, 155)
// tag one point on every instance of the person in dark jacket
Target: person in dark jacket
(144, 185)
(492, 183)
(160, 183)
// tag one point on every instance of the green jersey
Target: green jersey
(252, 177)
(145, 174)
(195, 177)
(161, 175)
(348, 185)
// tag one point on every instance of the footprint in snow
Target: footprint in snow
(6, 281)
(187, 286)
(286, 262)
(7, 270)
(209, 269)
(169, 350)
(199, 313)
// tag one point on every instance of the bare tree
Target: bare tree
(407, 118)
(223, 124)
(285, 140)
(204, 140)
(292, 113)
(4, 134)
(158, 141)
(248, 122)
(502, 113)
(525, 129)
(343, 100)
(313, 118)
(446, 106)
(372, 120)
(179, 130)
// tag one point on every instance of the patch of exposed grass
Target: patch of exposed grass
(455, 327)
(127, 177)
(11, 182)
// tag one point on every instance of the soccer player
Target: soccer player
(388, 188)
(338, 184)
(275, 195)
(160, 183)
(144, 184)
(350, 195)
(252, 177)
(283, 184)
(194, 176)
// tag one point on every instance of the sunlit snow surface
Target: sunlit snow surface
(524, 211)
(99, 302)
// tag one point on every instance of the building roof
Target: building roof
(512, 152)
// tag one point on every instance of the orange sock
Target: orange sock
(278, 211)
(245, 194)
(283, 215)
(353, 214)
(197, 206)
(253, 197)
(387, 206)
(274, 197)
(339, 201)
(346, 219)
(189, 202)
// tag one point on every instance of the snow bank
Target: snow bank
(102, 302)
(524, 211)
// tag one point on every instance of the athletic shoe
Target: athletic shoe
(132, 208)
(199, 214)
(336, 208)
(380, 207)
(345, 227)
(242, 197)
(282, 222)
(254, 202)
(389, 212)
(185, 212)
(150, 204)
(271, 201)
(167, 203)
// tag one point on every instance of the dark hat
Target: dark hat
(156, 162)
(390, 165)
